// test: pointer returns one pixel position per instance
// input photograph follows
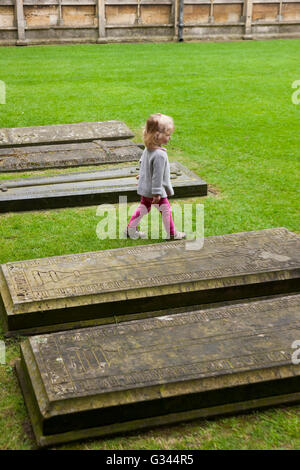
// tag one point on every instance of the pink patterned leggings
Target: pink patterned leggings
(145, 206)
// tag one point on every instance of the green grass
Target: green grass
(236, 127)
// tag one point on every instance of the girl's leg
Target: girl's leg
(165, 209)
(143, 209)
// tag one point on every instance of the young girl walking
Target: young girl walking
(154, 184)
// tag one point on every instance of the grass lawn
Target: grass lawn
(236, 127)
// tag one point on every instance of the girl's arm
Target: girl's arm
(157, 176)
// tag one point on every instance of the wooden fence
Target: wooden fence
(86, 21)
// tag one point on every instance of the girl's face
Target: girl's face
(165, 137)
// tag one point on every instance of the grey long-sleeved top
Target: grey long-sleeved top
(155, 174)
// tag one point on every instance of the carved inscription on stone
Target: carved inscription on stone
(88, 188)
(199, 343)
(153, 265)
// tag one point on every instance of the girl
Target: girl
(154, 185)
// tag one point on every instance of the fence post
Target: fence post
(101, 22)
(60, 17)
(279, 17)
(248, 7)
(138, 13)
(21, 41)
(174, 18)
(211, 12)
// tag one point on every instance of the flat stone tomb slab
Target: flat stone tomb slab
(62, 133)
(40, 157)
(123, 377)
(69, 291)
(88, 188)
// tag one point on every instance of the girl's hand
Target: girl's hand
(156, 198)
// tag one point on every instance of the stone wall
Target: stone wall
(85, 21)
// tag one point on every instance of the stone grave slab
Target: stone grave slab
(88, 188)
(203, 362)
(49, 294)
(63, 133)
(97, 152)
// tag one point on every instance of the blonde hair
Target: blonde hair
(156, 125)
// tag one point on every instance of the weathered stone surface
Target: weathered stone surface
(61, 133)
(203, 362)
(68, 155)
(94, 288)
(88, 188)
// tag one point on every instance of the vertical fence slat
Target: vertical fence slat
(60, 17)
(101, 21)
(211, 12)
(138, 13)
(20, 23)
(174, 18)
(248, 19)
(280, 11)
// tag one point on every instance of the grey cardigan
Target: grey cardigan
(155, 174)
